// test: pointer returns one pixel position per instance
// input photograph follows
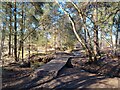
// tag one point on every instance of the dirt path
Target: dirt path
(70, 78)
(76, 78)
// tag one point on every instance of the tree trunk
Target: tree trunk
(111, 38)
(96, 39)
(89, 48)
(15, 34)
(29, 49)
(12, 44)
(55, 34)
(22, 34)
(116, 40)
(10, 33)
(101, 40)
(80, 39)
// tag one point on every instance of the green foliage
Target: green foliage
(37, 64)
(48, 26)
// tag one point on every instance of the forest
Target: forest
(59, 45)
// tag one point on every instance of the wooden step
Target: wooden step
(51, 68)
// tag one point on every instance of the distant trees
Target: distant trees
(59, 25)
(2, 40)
(14, 25)
(91, 13)
(3, 31)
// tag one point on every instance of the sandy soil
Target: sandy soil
(73, 78)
